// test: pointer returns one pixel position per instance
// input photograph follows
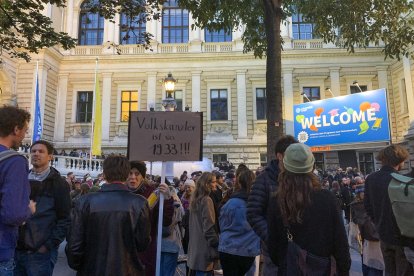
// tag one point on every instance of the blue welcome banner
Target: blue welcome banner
(356, 118)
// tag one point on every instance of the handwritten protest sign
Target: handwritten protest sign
(165, 136)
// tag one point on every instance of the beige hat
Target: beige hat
(298, 158)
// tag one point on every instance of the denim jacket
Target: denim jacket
(237, 236)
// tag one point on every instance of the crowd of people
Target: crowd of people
(300, 221)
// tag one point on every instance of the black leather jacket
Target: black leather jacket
(48, 226)
(108, 230)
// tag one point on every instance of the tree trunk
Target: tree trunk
(272, 20)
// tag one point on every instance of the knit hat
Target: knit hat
(298, 158)
(140, 166)
(190, 183)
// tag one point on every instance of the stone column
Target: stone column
(288, 100)
(335, 81)
(196, 91)
(61, 108)
(152, 89)
(69, 18)
(241, 103)
(106, 105)
(409, 89)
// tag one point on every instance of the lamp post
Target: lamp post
(357, 85)
(167, 167)
(169, 84)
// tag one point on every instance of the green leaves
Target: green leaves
(24, 29)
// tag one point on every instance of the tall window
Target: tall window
(261, 103)
(84, 107)
(301, 29)
(366, 162)
(217, 36)
(218, 104)
(174, 23)
(263, 159)
(178, 96)
(131, 31)
(354, 89)
(91, 27)
(129, 102)
(319, 161)
(313, 93)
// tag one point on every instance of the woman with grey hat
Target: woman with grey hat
(304, 218)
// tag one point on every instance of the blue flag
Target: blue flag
(37, 120)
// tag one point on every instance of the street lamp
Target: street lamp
(169, 84)
(357, 85)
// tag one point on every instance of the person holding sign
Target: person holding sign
(138, 185)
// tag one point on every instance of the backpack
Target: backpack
(401, 193)
(7, 153)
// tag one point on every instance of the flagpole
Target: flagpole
(93, 113)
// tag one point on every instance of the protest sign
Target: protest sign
(165, 136)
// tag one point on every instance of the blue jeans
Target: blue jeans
(35, 263)
(6, 268)
(168, 263)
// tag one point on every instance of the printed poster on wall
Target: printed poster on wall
(165, 136)
(356, 118)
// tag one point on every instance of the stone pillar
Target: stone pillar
(241, 103)
(69, 18)
(335, 81)
(196, 91)
(382, 77)
(152, 89)
(106, 105)
(288, 100)
(409, 89)
(61, 108)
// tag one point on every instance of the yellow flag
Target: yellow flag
(97, 129)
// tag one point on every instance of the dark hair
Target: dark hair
(392, 155)
(284, 142)
(140, 166)
(49, 146)
(244, 180)
(294, 194)
(84, 189)
(10, 117)
(116, 168)
(69, 173)
(241, 167)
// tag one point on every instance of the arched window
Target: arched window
(91, 27)
(132, 31)
(174, 23)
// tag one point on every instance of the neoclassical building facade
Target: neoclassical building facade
(214, 77)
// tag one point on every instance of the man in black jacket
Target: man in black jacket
(378, 206)
(41, 235)
(110, 227)
(263, 187)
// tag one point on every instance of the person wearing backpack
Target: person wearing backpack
(306, 231)
(378, 206)
(15, 205)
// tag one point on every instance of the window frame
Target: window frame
(362, 163)
(78, 103)
(129, 103)
(264, 99)
(219, 90)
(219, 154)
(183, 29)
(217, 36)
(319, 160)
(300, 22)
(100, 29)
(310, 89)
(140, 27)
